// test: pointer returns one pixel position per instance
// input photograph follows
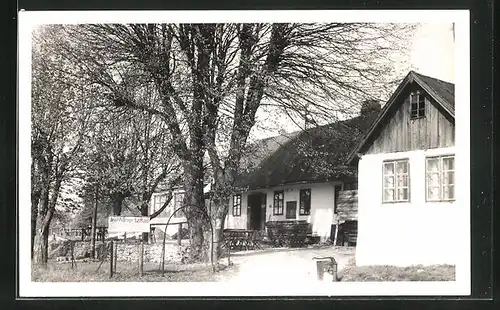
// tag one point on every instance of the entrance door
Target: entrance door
(256, 213)
(291, 210)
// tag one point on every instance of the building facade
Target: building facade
(406, 178)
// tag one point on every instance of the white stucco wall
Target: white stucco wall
(172, 228)
(237, 222)
(157, 222)
(322, 204)
(401, 234)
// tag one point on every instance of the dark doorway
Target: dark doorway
(291, 210)
(256, 211)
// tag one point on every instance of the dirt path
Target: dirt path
(283, 265)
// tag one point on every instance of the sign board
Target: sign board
(128, 224)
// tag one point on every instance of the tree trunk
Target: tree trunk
(41, 242)
(47, 205)
(116, 203)
(195, 210)
(214, 241)
(35, 198)
(218, 216)
(94, 222)
(41, 253)
(145, 212)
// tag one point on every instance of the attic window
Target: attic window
(417, 105)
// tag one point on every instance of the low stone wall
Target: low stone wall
(152, 252)
(125, 251)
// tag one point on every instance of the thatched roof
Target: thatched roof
(312, 155)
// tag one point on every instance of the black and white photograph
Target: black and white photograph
(257, 153)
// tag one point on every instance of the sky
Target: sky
(431, 53)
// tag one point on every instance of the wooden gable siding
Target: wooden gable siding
(399, 133)
(347, 205)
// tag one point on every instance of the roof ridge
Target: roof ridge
(430, 77)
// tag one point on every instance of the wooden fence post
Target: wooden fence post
(179, 237)
(163, 252)
(141, 259)
(111, 259)
(115, 257)
(335, 238)
(72, 248)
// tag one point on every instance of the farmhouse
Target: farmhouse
(158, 223)
(406, 178)
(300, 177)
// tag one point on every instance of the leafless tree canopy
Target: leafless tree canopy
(208, 81)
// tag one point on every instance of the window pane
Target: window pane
(432, 165)
(449, 192)
(389, 195)
(449, 163)
(402, 181)
(389, 182)
(449, 178)
(433, 193)
(402, 167)
(403, 194)
(388, 168)
(413, 99)
(433, 179)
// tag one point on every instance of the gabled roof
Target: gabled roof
(313, 155)
(442, 92)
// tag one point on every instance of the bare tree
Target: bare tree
(213, 78)
(56, 138)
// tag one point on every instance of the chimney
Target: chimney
(370, 107)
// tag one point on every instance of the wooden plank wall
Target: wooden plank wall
(347, 205)
(399, 133)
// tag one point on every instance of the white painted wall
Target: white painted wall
(171, 228)
(401, 234)
(237, 222)
(322, 204)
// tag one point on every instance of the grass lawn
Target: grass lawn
(126, 272)
(391, 273)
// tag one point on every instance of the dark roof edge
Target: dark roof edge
(442, 102)
(410, 77)
(322, 180)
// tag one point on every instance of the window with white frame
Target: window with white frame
(396, 185)
(417, 105)
(178, 203)
(237, 205)
(305, 201)
(158, 201)
(440, 178)
(278, 202)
